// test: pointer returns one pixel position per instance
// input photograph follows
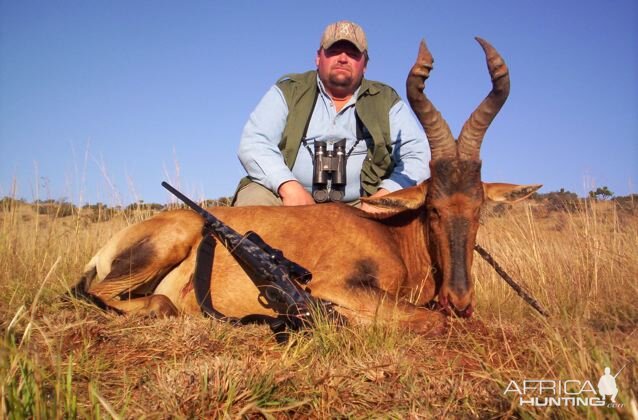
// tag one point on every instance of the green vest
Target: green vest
(373, 105)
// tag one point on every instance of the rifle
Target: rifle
(276, 277)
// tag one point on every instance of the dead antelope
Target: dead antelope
(381, 266)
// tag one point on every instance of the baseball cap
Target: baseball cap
(344, 30)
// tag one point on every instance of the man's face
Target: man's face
(341, 67)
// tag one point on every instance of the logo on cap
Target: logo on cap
(344, 31)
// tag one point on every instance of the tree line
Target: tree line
(555, 200)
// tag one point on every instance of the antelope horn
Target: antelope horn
(475, 127)
(439, 135)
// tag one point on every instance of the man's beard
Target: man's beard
(341, 80)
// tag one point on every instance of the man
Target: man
(607, 385)
(385, 148)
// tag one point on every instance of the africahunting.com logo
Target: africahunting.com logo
(570, 392)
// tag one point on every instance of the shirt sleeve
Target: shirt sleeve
(258, 151)
(410, 150)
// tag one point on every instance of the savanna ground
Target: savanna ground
(69, 359)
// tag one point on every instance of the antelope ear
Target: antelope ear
(410, 198)
(508, 193)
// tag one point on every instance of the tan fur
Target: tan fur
(337, 243)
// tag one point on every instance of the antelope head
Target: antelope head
(455, 193)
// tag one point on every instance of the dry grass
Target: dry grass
(62, 359)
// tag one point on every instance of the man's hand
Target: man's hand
(374, 209)
(292, 193)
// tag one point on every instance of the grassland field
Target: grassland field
(61, 359)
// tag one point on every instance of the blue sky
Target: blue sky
(101, 101)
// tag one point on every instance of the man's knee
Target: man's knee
(255, 194)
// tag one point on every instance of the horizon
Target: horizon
(103, 102)
(63, 200)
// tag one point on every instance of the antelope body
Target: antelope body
(383, 266)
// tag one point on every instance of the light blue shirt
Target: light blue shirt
(264, 163)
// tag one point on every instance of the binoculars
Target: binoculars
(329, 172)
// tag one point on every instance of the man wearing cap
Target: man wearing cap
(386, 147)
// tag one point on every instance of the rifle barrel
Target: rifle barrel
(190, 203)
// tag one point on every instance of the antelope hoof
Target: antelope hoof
(159, 306)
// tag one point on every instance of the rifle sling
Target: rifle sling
(202, 284)
(202, 281)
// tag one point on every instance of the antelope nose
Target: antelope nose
(462, 303)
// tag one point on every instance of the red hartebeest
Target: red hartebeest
(382, 266)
